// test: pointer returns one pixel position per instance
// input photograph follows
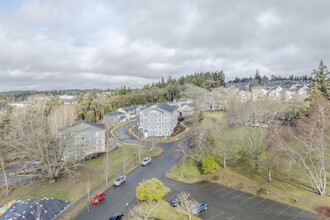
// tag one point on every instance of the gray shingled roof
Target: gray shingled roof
(95, 125)
(114, 113)
(167, 107)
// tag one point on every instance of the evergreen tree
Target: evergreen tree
(320, 83)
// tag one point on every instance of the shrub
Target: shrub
(209, 165)
(149, 190)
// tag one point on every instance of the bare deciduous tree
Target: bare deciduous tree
(255, 143)
(308, 144)
(110, 143)
(196, 94)
(2, 163)
(37, 136)
(225, 145)
(145, 210)
(198, 145)
(88, 188)
(186, 203)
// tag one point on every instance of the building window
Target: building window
(82, 138)
(90, 138)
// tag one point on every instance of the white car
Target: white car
(119, 180)
(146, 161)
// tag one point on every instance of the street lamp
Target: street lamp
(126, 211)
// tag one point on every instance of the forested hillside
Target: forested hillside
(93, 110)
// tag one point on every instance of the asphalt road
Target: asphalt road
(224, 203)
(117, 197)
(121, 132)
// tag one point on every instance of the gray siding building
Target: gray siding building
(158, 120)
(86, 138)
(113, 118)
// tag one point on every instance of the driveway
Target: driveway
(121, 132)
(15, 179)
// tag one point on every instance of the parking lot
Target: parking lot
(230, 204)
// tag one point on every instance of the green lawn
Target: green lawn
(213, 116)
(72, 188)
(166, 211)
(188, 124)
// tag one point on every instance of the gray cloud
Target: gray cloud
(106, 44)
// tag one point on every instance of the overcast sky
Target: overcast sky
(66, 44)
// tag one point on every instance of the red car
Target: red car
(98, 197)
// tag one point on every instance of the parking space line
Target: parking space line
(220, 213)
(269, 206)
(298, 214)
(228, 192)
(248, 199)
(237, 196)
(283, 211)
(220, 190)
(211, 187)
(204, 185)
(231, 218)
(258, 203)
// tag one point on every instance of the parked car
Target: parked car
(146, 161)
(119, 180)
(98, 197)
(199, 207)
(116, 216)
(175, 202)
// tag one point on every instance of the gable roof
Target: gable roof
(167, 107)
(161, 107)
(89, 126)
(114, 113)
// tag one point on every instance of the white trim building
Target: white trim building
(158, 120)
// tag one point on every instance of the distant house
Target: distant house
(136, 109)
(18, 104)
(288, 92)
(158, 120)
(87, 138)
(68, 99)
(244, 96)
(128, 111)
(113, 118)
(275, 93)
(258, 93)
(186, 109)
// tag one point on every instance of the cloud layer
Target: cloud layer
(60, 44)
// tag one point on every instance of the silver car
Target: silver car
(146, 161)
(119, 180)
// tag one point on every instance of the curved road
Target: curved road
(224, 203)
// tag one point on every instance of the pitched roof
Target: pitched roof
(161, 106)
(114, 113)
